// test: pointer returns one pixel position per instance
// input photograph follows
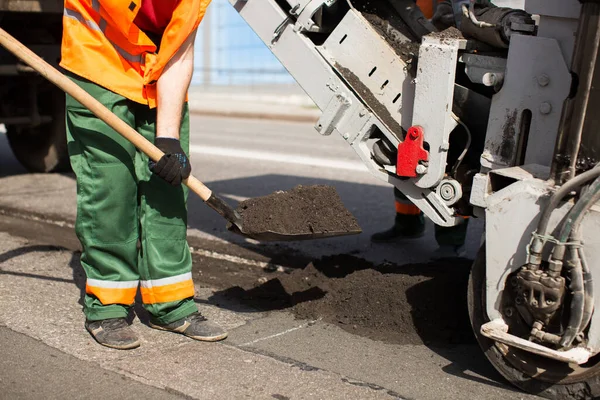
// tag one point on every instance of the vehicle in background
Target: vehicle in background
(31, 108)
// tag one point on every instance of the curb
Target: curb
(256, 115)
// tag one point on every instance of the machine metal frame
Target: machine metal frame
(368, 91)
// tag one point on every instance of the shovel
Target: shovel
(254, 218)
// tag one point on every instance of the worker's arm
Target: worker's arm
(172, 87)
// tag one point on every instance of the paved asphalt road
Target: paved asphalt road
(241, 158)
(238, 159)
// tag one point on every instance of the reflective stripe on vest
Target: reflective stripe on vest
(102, 44)
(169, 289)
(102, 28)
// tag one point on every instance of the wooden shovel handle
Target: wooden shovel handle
(68, 86)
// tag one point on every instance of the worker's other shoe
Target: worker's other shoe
(452, 235)
(448, 251)
(113, 332)
(195, 326)
(405, 227)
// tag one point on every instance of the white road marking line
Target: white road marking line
(241, 260)
(234, 197)
(309, 323)
(278, 157)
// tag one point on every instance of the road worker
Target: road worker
(136, 58)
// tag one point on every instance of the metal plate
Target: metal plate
(375, 72)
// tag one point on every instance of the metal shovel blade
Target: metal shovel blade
(302, 213)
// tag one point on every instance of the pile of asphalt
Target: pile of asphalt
(408, 304)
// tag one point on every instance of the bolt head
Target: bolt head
(518, 300)
(413, 133)
(545, 108)
(346, 136)
(489, 79)
(447, 192)
(543, 80)
(421, 169)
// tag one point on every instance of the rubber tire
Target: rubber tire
(586, 389)
(43, 148)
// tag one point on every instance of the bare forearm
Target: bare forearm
(172, 88)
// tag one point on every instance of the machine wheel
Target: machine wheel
(43, 148)
(553, 379)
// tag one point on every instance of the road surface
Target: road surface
(270, 353)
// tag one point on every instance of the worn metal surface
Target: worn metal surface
(354, 121)
(512, 214)
(376, 66)
(434, 92)
(498, 330)
(530, 61)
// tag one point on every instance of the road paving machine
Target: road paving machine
(487, 118)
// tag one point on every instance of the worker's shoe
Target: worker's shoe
(448, 251)
(195, 326)
(405, 227)
(451, 241)
(113, 332)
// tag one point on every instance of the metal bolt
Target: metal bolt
(421, 169)
(447, 192)
(545, 108)
(549, 302)
(346, 136)
(534, 303)
(413, 133)
(361, 113)
(518, 300)
(509, 311)
(489, 79)
(543, 80)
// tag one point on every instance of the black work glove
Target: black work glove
(174, 166)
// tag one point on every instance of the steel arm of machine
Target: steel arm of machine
(362, 99)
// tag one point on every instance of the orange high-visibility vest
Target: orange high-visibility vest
(102, 44)
(427, 7)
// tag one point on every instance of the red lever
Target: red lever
(410, 152)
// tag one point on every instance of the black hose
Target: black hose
(565, 189)
(575, 272)
(588, 288)
(574, 264)
(542, 229)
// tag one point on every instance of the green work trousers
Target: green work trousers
(131, 224)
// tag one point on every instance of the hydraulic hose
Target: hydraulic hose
(537, 244)
(565, 189)
(588, 288)
(575, 216)
(575, 272)
(574, 264)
